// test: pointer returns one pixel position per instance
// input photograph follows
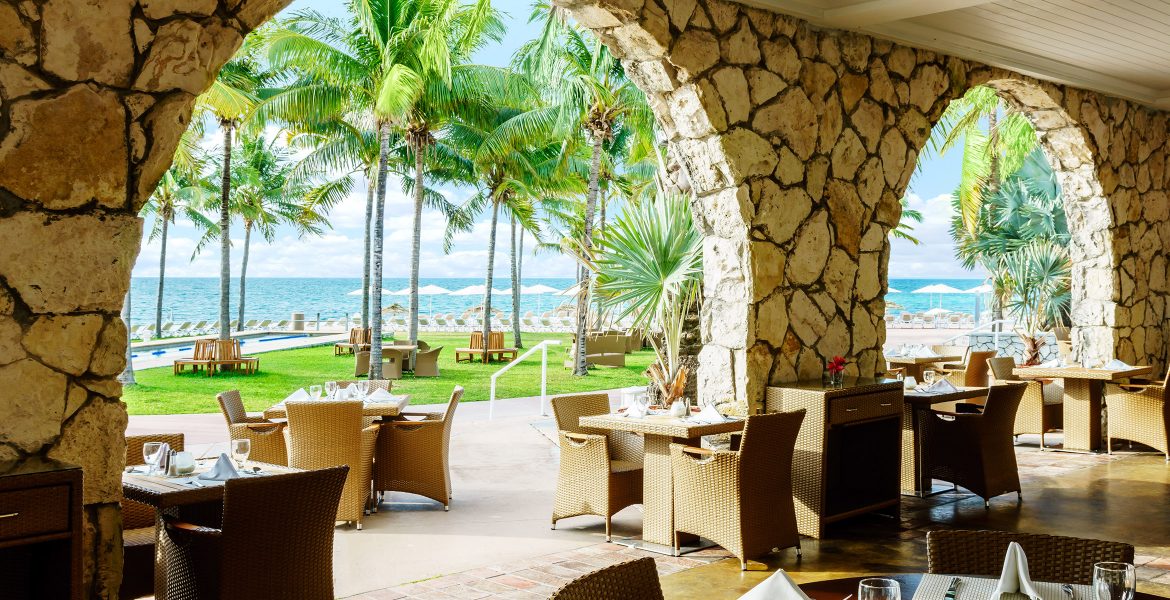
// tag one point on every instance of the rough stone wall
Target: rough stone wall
(799, 143)
(93, 97)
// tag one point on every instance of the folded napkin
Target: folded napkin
(298, 395)
(1015, 577)
(777, 587)
(222, 471)
(636, 410)
(1055, 363)
(381, 395)
(910, 382)
(709, 415)
(942, 386)
(923, 352)
(1116, 365)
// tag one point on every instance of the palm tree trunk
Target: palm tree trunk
(516, 341)
(371, 184)
(416, 241)
(579, 367)
(601, 219)
(487, 284)
(244, 271)
(162, 268)
(376, 283)
(127, 376)
(225, 239)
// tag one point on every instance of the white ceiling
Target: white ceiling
(1119, 47)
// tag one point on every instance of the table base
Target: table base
(934, 490)
(687, 547)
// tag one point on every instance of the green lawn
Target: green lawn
(160, 392)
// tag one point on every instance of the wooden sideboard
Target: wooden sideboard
(848, 452)
(40, 530)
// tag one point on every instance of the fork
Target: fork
(1070, 591)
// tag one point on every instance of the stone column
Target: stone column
(93, 97)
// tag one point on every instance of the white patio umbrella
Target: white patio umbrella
(426, 290)
(939, 311)
(358, 292)
(471, 290)
(979, 291)
(538, 289)
(937, 288)
(894, 291)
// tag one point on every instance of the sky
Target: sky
(339, 252)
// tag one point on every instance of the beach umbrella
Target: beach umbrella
(471, 290)
(358, 292)
(537, 289)
(394, 309)
(939, 311)
(937, 288)
(894, 291)
(426, 290)
(982, 289)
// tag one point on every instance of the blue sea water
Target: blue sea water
(197, 299)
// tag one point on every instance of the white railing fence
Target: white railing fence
(543, 348)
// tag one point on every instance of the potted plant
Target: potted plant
(1039, 282)
(836, 369)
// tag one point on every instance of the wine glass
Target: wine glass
(1114, 581)
(315, 391)
(241, 448)
(878, 588)
(928, 377)
(151, 453)
(361, 388)
(331, 388)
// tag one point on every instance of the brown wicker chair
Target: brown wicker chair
(633, 580)
(1139, 413)
(740, 500)
(1050, 557)
(328, 434)
(413, 456)
(275, 541)
(426, 363)
(1041, 409)
(267, 437)
(976, 451)
(971, 374)
(375, 384)
(601, 471)
(138, 522)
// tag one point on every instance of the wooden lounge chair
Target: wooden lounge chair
(1050, 557)
(138, 523)
(497, 349)
(474, 348)
(633, 580)
(266, 437)
(227, 354)
(327, 434)
(347, 347)
(413, 454)
(202, 358)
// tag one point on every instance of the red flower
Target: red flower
(836, 365)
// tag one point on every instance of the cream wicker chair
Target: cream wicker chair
(1042, 408)
(971, 374)
(633, 580)
(740, 500)
(391, 363)
(413, 456)
(426, 362)
(329, 434)
(266, 437)
(1139, 413)
(601, 471)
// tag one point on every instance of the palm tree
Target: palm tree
(399, 65)
(230, 100)
(903, 229)
(126, 377)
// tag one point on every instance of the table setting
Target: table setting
(376, 403)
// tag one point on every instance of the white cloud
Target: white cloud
(934, 257)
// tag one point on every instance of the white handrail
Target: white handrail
(543, 347)
(983, 326)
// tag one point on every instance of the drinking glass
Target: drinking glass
(331, 388)
(241, 448)
(151, 453)
(315, 391)
(361, 388)
(1114, 581)
(878, 588)
(928, 377)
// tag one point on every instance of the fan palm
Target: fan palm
(904, 228)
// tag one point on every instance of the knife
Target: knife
(953, 589)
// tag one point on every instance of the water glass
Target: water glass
(928, 377)
(241, 448)
(151, 454)
(360, 388)
(315, 391)
(878, 588)
(331, 388)
(1114, 581)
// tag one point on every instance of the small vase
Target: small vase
(678, 409)
(836, 379)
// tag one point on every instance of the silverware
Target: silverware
(195, 482)
(953, 588)
(1069, 591)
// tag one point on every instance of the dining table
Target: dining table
(1083, 408)
(910, 583)
(370, 408)
(200, 503)
(919, 403)
(660, 431)
(913, 366)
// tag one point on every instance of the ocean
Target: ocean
(197, 299)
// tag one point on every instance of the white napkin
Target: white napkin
(777, 587)
(942, 386)
(636, 410)
(1015, 577)
(381, 395)
(910, 382)
(298, 395)
(1052, 364)
(923, 352)
(709, 415)
(1116, 365)
(222, 471)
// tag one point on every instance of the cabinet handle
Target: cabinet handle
(850, 410)
(887, 403)
(9, 515)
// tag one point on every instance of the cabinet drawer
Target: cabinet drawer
(35, 511)
(862, 407)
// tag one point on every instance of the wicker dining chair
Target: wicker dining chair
(1139, 413)
(392, 361)
(266, 437)
(976, 451)
(632, 580)
(740, 500)
(413, 454)
(275, 541)
(375, 384)
(1050, 557)
(328, 434)
(138, 524)
(600, 471)
(1042, 407)
(971, 374)
(426, 362)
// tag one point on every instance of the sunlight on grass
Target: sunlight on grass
(160, 392)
